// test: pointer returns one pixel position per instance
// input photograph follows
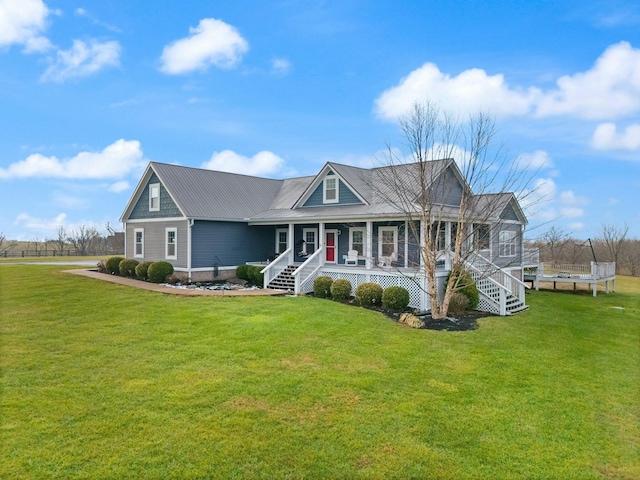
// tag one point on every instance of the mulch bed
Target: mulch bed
(453, 323)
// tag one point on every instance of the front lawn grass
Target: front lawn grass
(107, 381)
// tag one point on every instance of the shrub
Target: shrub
(340, 289)
(142, 270)
(242, 272)
(127, 268)
(458, 302)
(395, 298)
(102, 266)
(369, 293)
(113, 265)
(466, 286)
(322, 287)
(159, 271)
(255, 275)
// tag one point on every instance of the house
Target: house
(344, 222)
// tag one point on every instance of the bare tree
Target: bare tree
(614, 239)
(417, 182)
(82, 237)
(555, 240)
(60, 241)
(631, 256)
(5, 245)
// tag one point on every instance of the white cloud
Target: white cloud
(262, 163)
(610, 89)
(116, 161)
(212, 42)
(82, 60)
(470, 91)
(25, 220)
(22, 22)
(544, 203)
(118, 187)
(280, 66)
(606, 137)
(534, 161)
(576, 226)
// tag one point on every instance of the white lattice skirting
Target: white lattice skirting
(417, 296)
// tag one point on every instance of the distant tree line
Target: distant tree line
(612, 245)
(83, 240)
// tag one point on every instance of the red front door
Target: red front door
(330, 245)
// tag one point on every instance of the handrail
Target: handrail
(501, 302)
(309, 262)
(274, 269)
(502, 272)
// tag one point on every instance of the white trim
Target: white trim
(336, 189)
(278, 232)
(202, 269)
(406, 244)
(124, 226)
(189, 236)
(152, 220)
(393, 229)
(135, 243)
(316, 183)
(363, 253)
(335, 245)
(152, 186)
(512, 243)
(304, 237)
(168, 230)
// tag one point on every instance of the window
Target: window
(388, 242)
(138, 240)
(309, 235)
(356, 240)
(282, 236)
(330, 190)
(481, 237)
(154, 197)
(507, 243)
(439, 235)
(171, 252)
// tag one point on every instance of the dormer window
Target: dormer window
(154, 197)
(330, 190)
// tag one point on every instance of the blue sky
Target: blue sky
(92, 91)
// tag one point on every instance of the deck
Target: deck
(591, 275)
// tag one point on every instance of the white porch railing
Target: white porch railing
(274, 269)
(603, 270)
(486, 268)
(493, 294)
(308, 270)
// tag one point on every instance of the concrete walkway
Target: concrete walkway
(175, 291)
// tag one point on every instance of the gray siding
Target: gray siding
(168, 208)
(496, 228)
(155, 241)
(230, 243)
(509, 213)
(345, 196)
(446, 189)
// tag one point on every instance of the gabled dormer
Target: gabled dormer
(331, 188)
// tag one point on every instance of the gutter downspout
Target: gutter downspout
(124, 225)
(190, 223)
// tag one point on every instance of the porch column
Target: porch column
(321, 240)
(421, 245)
(368, 248)
(447, 236)
(292, 254)
(406, 244)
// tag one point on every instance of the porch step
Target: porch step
(284, 280)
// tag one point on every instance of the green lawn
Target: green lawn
(105, 381)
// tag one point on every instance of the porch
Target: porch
(500, 292)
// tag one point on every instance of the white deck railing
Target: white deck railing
(487, 269)
(594, 271)
(530, 256)
(307, 270)
(274, 269)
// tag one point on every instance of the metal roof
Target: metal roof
(209, 194)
